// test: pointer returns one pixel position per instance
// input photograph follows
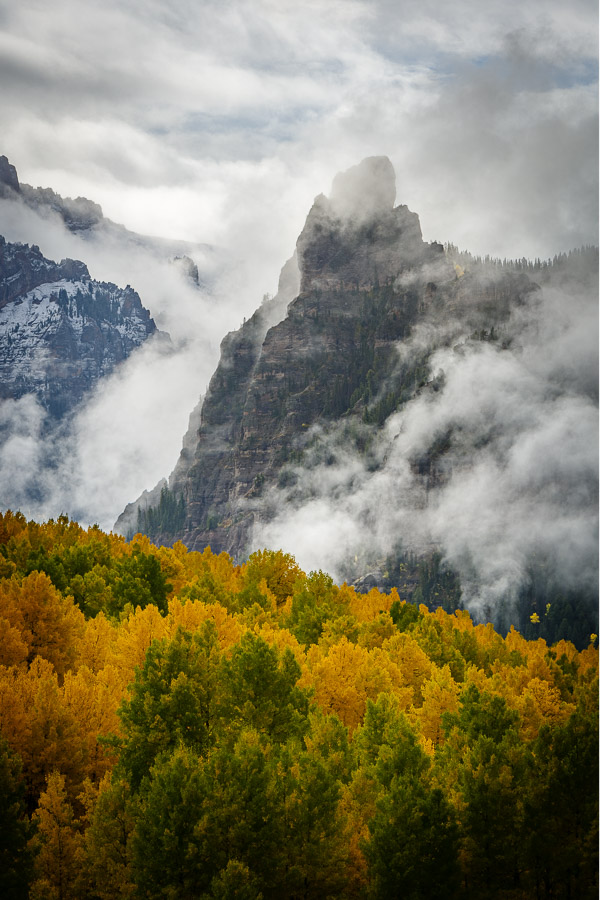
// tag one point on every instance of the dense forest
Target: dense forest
(176, 726)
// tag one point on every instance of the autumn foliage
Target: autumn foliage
(173, 725)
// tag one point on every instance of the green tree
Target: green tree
(561, 809)
(173, 701)
(16, 831)
(260, 691)
(313, 604)
(107, 842)
(412, 849)
(484, 751)
(312, 845)
(198, 815)
(138, 579)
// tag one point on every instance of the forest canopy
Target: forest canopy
(174, 725)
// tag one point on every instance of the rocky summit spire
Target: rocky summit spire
(356, 237)
(364, 191)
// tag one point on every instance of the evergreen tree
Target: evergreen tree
(16, 831)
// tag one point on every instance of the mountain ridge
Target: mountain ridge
(61, 330)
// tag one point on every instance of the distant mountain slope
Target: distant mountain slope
(60, 330)
(85, 219)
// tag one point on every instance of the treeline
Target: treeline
(164, 519)
(256, 732)
(580, 257)
(99, 305)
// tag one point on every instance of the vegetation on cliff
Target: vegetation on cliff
(174, 725)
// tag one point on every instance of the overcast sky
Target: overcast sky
(220, 120)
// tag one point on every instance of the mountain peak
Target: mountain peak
(356, 236)
(364, 191)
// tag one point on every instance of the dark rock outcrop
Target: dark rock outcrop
(9, 181)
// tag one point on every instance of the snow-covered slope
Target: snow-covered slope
(61, 330)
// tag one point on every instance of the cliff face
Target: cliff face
(60, 330)
(366, 278)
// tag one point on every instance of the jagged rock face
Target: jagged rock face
(60, 330)
(366, 277)
(356, 239)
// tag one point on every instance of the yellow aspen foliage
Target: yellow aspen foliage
(334, 678)
(134, 637)
(11, 525)
(368, 606)
(193, 613)
(413, 663)
(38, 724)
(440, 695)
(475, 675)
(588, 660)
(541, 704)
(96, 647)
(515, 641)
(142, 543)
(57, 864)
(282, 639)
(346, 678)
(280, 570)
(491, 643)
(462, 620)
(13, 649)
(538, 665)
(16, 691)
(93, 701)
(508, 681)
(566, 649)
(374, 632)
(49, 623)
(219, 565)
(172, 565)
